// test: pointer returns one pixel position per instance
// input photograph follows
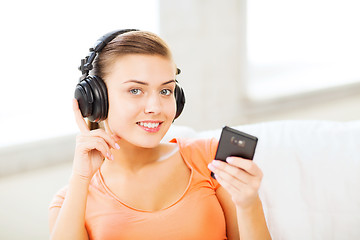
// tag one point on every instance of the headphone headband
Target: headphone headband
(87, 62)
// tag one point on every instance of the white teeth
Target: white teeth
(149, 125)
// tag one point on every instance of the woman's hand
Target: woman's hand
(240, 177)
(91, 147)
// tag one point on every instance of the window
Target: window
(42, 44)
(301, 46)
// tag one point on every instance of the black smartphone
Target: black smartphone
(235, 143)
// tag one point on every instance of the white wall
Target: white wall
(208, 42)
(208, 39)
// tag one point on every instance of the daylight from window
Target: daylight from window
(301, 46)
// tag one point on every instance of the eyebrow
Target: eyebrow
(147, 84)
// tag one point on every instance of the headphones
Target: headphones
(91, 92)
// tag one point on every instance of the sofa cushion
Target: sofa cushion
(311, 184)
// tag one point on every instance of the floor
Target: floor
(24, 200)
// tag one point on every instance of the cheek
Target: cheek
(171, 108)
(119, 119)
(122, 109)
(119, 109)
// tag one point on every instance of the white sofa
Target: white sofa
(311, 184)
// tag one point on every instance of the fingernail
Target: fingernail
(229, 159)
(215, 162)
(108, 155)
(117, 146)
(112, 157)
(210, 166)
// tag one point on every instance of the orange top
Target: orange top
(196, 215)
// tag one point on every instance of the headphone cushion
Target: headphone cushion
(180, 100)
(104, 102)
(85, 98)
(97, 110)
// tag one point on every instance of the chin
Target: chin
(142, 140)
(146, 142)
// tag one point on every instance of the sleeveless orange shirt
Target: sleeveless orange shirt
(196, 215)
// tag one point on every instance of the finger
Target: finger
(228, 181)
(103, 147)
(235, 175)
(248, 165)
(235, 172)
(231, 174)
(103, 150)
(229, 186)
(78, 117)
(108, 139)
(89, 143)
(243, 197)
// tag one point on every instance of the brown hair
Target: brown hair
(134, 42)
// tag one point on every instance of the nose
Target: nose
(153, 104)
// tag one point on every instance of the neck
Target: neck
(131, 159)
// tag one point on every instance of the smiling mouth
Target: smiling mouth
(149, 125)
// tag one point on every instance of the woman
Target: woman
(146, 189)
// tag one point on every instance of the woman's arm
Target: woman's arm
(240, 180)
(68, 222)
(251, 221)
(92, 147)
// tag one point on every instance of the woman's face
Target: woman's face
(142, 105)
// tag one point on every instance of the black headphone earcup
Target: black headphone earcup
(85, 98)
(91, 94)
(180, 100)
(104, 101)
(98, 87)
